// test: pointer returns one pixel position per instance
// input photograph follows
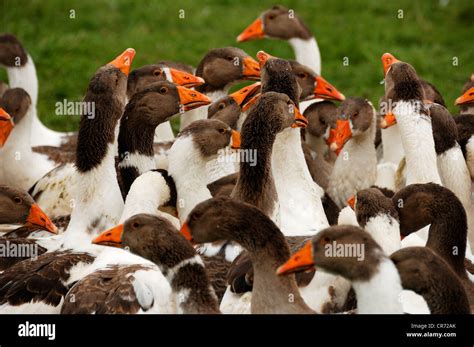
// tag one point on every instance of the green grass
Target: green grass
(68, 51)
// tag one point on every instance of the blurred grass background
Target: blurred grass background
(67, 51)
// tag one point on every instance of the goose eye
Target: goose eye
(157, 72)
(355, 115)
(326, 240)
(163, 90)
(221, 106)
(230, 58)
(222, 131)
(194, 217)
(271, 17)
(17, 200)
(135, 224)
(302, 75)
(322, 121)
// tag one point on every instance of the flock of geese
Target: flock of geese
(271, 199)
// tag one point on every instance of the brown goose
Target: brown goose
(155, 239)
(18, 208)
(424, 272)
(22, 165)
(222, 218)
(39, 285)
(353, 141)
(350, 252)
(221, 68)
(148, 108)
(420, 205)
(21, 73)
(282, 23)
(229, 108)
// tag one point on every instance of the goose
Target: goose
(301, 210)
(55, 191)
(349, 252)
(258, 184)
(21, 73)
(452, 168)
(195, 146)
(94, 178)
(19, 208)
(353, 141)
(419, 205)
(465, 123)
(22, 166)
(282, 23)
(403, 89)
(138, 285)
(144, 112)
(158, 240)
(321, 116)
(229, 109)
(269, 116)
(221, 68)
(223, 218)
(424, 272)
(141, 77)
(393, 151)
(377, 215)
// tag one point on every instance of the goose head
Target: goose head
(321, 117)
(278, 22)
(223, 67)
(355, 117)
(312, 85)
(18, 207)
(12, 52)
(356, 260)
(15, 104)
(466, 100)
(229, 108)
(150, 237)
(371, 202)
(142, 77)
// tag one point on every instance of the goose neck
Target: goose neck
(25, 77)
(307, 53)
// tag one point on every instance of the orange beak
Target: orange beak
(38, 218)
(300, 120)
(325, 90)
(351, 201)
(235, 140)
(111, 237)
(253, 31)
(186, 232)
(242, 94)
(388, 120)
(249, 103)
(299, 261)
(191, 99)
(387, 61)
(185, 79)
(339, 136)
(466, 98)
(6, 126)
(263, 57)
(251, 69)
(124, 61)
